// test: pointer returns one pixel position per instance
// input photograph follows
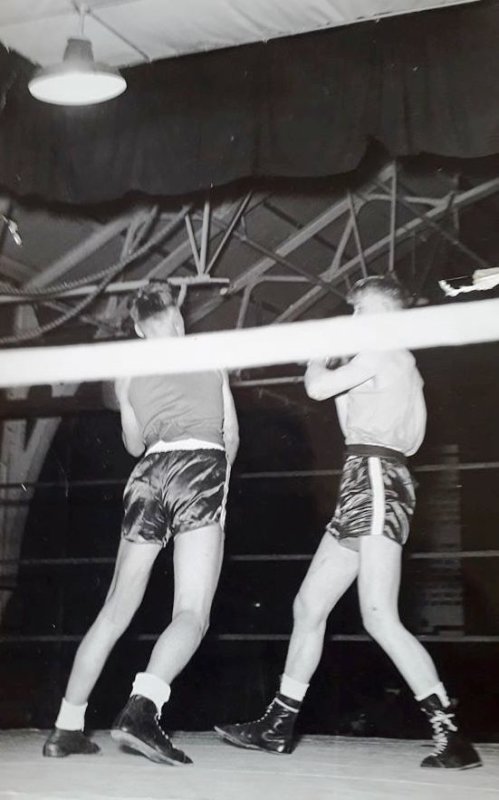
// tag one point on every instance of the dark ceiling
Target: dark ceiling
(308, 106)
(264, 176)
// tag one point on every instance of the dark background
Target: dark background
(355, 685)
(301, 106)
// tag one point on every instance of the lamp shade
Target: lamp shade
(78, 80)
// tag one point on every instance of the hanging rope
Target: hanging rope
(108, 274)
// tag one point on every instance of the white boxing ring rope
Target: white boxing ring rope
(433, 326)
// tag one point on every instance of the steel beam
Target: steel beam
(356, 233)
(168, 265)
(452, 238)
(15, 270)
(250, 242)
(393, 218)
(80, 252)
(262, 266)
(461, 200)
(229, 231)
(293, 242)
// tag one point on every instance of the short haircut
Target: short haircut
(384, 285)
(151, 299)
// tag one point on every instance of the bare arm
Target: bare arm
(341, 401)
(230, 424)
(322, 383)
(130, 428)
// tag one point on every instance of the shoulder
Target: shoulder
(388, 358)
(210, 381)
(402, 365)
(370, 360)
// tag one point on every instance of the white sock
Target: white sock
(293, 689)
(441, 693)
(71, 717)
(152, 687)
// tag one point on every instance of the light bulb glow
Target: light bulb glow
(76, 87)
(78, 80)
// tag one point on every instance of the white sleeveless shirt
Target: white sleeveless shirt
(389, 409)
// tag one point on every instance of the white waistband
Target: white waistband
(182, 444)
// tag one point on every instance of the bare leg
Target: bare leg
(131, 574)
(332, 570)
(378, 584)
(197, 562)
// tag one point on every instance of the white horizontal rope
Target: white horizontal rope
(433, 326)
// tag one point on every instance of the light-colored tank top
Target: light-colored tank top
(389, 409)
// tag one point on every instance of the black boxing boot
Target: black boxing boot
(61, 743)
(138, 728)
(273, 732)
(452, 751)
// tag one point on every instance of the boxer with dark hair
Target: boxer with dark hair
(184, 428)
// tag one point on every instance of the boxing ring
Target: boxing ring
(347, 767)
(415, 328)
(322, 768)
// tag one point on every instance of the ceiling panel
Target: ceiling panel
(126, 32)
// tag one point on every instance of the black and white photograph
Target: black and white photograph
(249, 399)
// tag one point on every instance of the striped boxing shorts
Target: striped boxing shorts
(175, 490)
(376, 496)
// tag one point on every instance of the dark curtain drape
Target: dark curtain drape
(304, 106)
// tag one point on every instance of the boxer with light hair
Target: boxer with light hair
(382, 413)
(184, 428)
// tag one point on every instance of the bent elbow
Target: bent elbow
(135, 451)
(313, 391)
(231, 448)
(134, 448)
(232, 443)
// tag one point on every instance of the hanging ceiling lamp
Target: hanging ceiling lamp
(78, 80)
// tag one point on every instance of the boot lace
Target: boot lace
(442, 724)
(164, 735)
(264, 716)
